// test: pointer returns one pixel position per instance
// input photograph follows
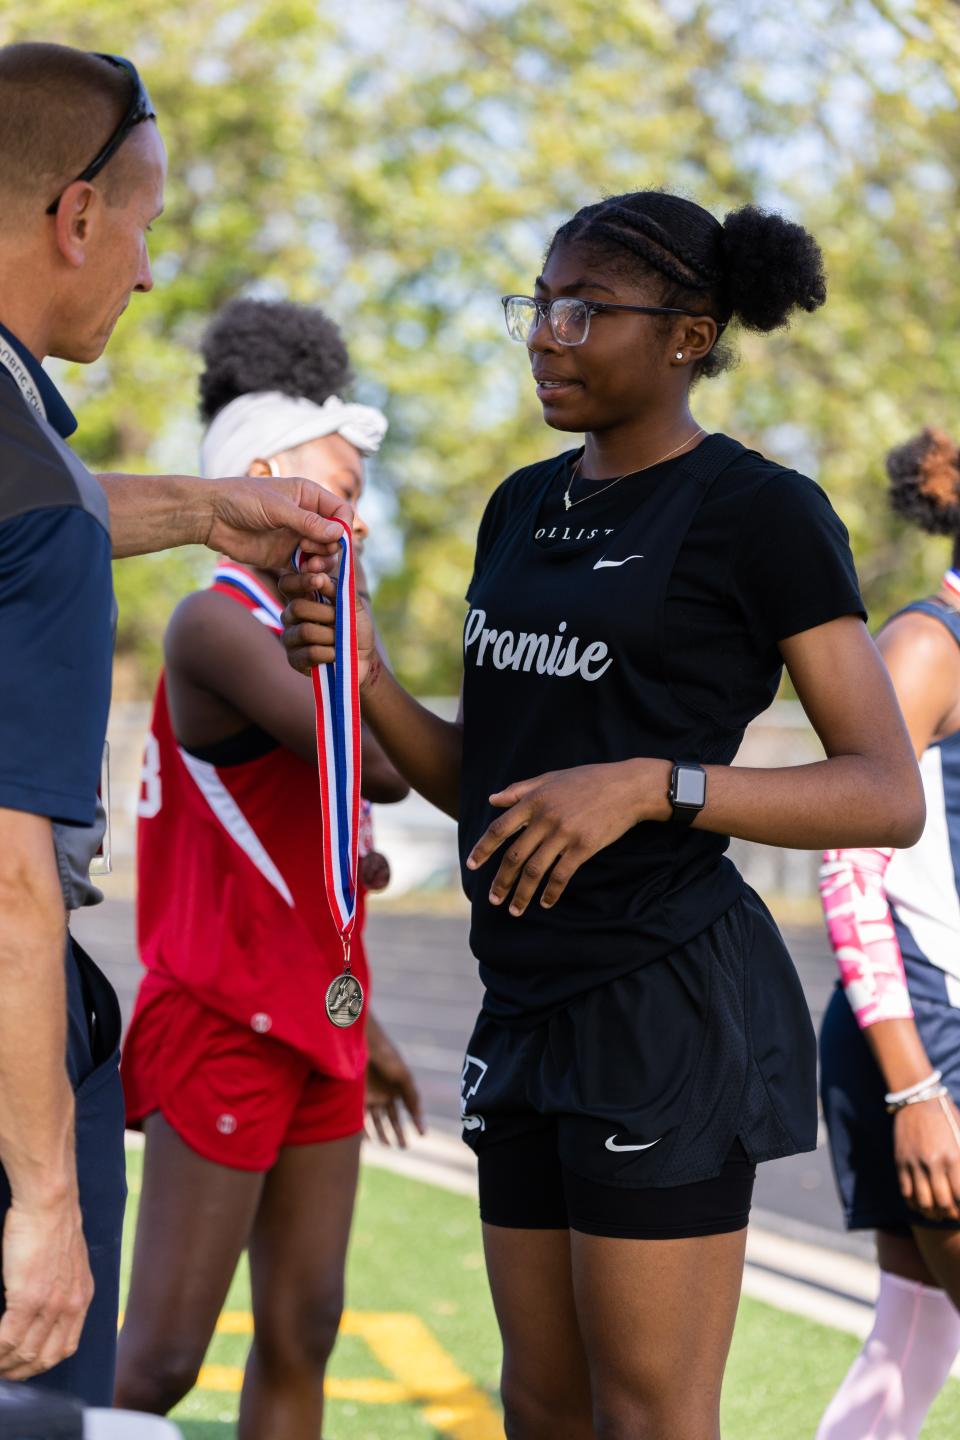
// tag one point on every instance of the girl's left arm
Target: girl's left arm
(867, 792)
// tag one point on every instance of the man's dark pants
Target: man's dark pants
(93, 1055)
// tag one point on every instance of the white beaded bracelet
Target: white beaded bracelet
(933, 1092)
(896, 1097)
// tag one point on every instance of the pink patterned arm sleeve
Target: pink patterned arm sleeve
(861, 932)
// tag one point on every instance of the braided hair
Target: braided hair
(756, 268)
(925, 482)
(254, 345)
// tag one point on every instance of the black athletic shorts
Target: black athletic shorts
(641, 1108)
(861, 1131)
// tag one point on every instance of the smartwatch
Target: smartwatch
(688, 791)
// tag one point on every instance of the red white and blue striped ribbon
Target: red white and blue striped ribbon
(337, 694)
(266, 610)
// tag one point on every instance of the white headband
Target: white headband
(265, 422)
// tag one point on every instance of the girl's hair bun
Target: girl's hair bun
(925, 482)
(254, 345)
(772, 267)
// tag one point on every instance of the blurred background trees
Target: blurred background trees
(404, 162)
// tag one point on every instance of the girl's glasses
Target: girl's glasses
(569, 317)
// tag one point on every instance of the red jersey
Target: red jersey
(230, 895)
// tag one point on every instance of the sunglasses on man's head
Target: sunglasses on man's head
(139, 109)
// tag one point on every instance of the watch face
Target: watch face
(691, 787)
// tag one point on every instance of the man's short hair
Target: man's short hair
(58, 106)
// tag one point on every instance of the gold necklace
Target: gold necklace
(568, 504)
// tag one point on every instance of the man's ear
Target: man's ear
(75, 221)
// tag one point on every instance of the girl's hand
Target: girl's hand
(390, 1085)
(308, 621)
(565, 817)
(374, 871)
(927, 1152)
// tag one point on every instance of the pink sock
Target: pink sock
(901, 1369)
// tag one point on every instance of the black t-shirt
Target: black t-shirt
(643, 621)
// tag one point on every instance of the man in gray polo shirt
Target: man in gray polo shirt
(82, 171)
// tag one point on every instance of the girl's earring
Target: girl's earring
(679, 354)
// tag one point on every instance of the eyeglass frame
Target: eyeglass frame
(139, 109)
(544, 310)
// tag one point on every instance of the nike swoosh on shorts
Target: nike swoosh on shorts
(612, 1144)
(603, 564)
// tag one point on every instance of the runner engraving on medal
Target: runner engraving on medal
(344, 1000)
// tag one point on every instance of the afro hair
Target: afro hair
(271, 345)
(925, 482)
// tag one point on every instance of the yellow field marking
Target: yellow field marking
(220, 1377)
(425, 1375)
(372, 1391)
(448, 1398)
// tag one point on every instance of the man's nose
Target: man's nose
(145, 274)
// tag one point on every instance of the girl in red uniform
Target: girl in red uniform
(252, 1102)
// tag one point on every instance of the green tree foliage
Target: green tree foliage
(404, 164)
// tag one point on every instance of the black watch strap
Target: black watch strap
(688, 791)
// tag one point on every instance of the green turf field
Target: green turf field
(419, 1356)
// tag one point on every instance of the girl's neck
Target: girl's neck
(623, 449)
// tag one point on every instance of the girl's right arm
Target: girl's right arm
(426, 750)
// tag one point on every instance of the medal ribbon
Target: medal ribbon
(337, 694)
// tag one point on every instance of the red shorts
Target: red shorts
(235, 1097)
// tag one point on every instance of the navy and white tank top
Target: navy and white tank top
(923, 882)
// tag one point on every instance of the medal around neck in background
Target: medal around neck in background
(336, 691)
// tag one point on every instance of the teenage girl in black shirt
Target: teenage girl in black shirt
(643, 1041)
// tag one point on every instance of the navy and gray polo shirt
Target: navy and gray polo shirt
(56, 623)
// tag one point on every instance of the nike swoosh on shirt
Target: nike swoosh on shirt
(609, 564)
(612, 1144)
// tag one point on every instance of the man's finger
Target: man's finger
(325, 503)
(61, 1344)
(23, 1332)
(313, 515)
(376, 1115)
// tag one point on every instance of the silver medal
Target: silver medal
(344, 1000)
